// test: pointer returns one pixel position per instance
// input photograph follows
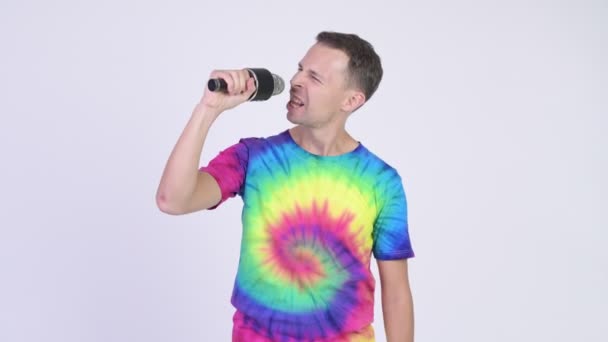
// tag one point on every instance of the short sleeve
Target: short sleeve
(228, 168)
(391, 234)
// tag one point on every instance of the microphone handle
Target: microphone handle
(217, 84)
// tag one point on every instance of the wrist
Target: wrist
(206, 111)
(204, 115)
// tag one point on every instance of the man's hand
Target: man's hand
(240, 87)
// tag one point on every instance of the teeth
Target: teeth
(295, 100)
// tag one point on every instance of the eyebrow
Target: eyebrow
(312, 72)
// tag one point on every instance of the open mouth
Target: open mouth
(295, 101)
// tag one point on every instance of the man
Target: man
(317, 204)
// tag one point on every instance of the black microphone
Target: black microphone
(266, 84)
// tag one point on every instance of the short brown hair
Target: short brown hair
(364, 66)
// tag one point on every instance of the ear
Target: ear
(354, 100)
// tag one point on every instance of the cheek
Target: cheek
(320, 98)
(329, 101)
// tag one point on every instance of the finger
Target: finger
(230, 81)
(240, 82)
(245, 78)
(237, 85)
(250, 88)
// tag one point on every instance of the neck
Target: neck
(323, 141)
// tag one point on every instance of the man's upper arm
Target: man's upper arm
(207, 193)
(391, 231)
(222, 178)
(394, 278)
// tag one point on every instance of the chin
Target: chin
(293, 119)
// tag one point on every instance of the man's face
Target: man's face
(319, 88)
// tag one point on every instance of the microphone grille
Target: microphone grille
(279, 84)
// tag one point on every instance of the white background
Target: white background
(494, 113)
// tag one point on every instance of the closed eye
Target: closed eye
(313, 74)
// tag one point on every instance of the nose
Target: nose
(296, 80)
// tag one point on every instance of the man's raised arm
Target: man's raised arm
(183, 188)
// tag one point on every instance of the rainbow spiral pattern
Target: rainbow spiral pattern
(310, 226)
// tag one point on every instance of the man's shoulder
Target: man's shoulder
(381, 165)
(265, 140)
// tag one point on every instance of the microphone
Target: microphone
(266, 83)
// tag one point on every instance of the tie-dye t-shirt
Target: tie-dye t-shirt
(310, 226)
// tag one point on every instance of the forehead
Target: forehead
(325, 60)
